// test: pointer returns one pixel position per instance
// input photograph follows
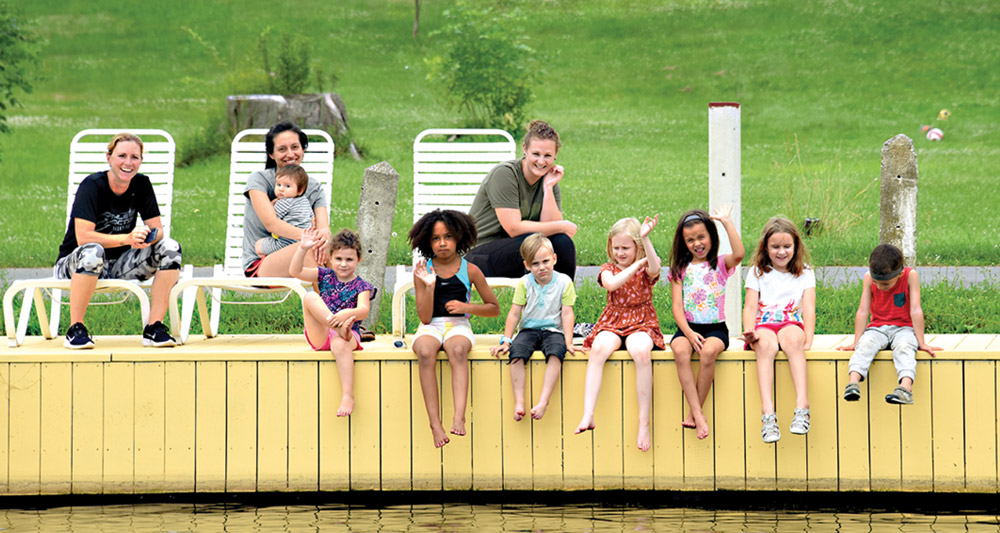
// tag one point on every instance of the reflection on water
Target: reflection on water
(479, 518)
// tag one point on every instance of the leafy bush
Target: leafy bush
(18, 52)
(487, 70)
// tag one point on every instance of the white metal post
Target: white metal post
(724, 182)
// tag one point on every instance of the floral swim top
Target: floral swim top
(339, 295)
(705, 292)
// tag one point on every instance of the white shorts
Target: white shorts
(443, 328)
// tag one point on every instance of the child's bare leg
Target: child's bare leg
(314, 313)
(706, 366)
(855, 377)
(792, 340)
(343, 352)
(685, 374)
(345, 330)
(906, 383)
(605, 343)
(640, 346)
(552, 368)
(766, 349)
(517, 381)
(427, 348)
(457, 348)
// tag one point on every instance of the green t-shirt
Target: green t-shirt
(506, 187)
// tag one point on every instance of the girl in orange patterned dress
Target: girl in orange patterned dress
(628, 319)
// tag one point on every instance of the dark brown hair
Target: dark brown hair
(279, 128)
(345, 239)
(762, 262)
(885, 259)
(461, 226)
(297, 174)
(680, 256)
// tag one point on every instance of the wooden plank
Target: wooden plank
(4, 424)
(918, 459)
(179, 427)
(88, 427)
(334, 433)
(303, 427)
(980, 426)
(947, 426)
(426, 458)
(272, 425)
(517, 472)
(609, 436)
(55, 454)
(149, 427)
(119, 428)
(637, 466)
(791, 448)
(486, 420)
(578, 449)
(853, 435)
(210, 426)
(821, 444)
(395, 420)
(241, 426)
(668, 440)
(546, 434)
(728, 425)
(699, 455)
(761, 466)
(25, 428)
(365, 427)
(885, 431)
(456, 457)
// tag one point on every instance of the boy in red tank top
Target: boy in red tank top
(891, 295)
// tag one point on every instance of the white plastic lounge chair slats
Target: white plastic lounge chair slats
(248, 155)
(447, 172)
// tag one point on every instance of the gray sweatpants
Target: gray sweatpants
(901, 339)
(135, 263)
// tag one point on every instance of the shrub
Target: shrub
(18, 52)
(487, 70)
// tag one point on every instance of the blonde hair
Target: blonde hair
(124, 137)
(531, 245)
(627, 226)
(762, 262)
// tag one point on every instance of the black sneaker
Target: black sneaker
(77, 337)
(156, 335)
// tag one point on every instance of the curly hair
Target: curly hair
(627, 226)
(539, 129)
(461, 226)
(762, 262)
(345, 239)
(680, 256)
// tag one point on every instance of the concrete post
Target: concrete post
(375, 213)
(898, 225)
(724, 187)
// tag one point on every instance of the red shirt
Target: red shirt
(892, 307)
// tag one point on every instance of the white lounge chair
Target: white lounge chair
(248, 155)
(446, 175)
(87, 155)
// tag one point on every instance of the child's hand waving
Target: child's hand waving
(722, 212)
(424, 274)
(309, 238)
(648, 225)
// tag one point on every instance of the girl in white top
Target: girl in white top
(780, 313)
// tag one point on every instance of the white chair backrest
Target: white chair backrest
(446, 175)
(88, 154)
(248, 156)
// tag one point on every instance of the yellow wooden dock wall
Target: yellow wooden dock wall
(257, 413)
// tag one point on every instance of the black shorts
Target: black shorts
(552, 343)
(717, 330)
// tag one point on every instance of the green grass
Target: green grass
(626, 83)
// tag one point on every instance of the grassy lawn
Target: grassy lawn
(627, 84)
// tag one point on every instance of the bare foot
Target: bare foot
(458, 426)
(585, 425)
(440, 437)
(518, 412)
(346, 406)
(643, 440)
(688, 422)
(538, 411)
(702, 427)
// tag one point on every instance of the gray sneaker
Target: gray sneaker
(800, 422)
(769, 428)
(899, 396)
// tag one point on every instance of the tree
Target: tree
(18, 52)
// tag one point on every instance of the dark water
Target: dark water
(478, 518)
